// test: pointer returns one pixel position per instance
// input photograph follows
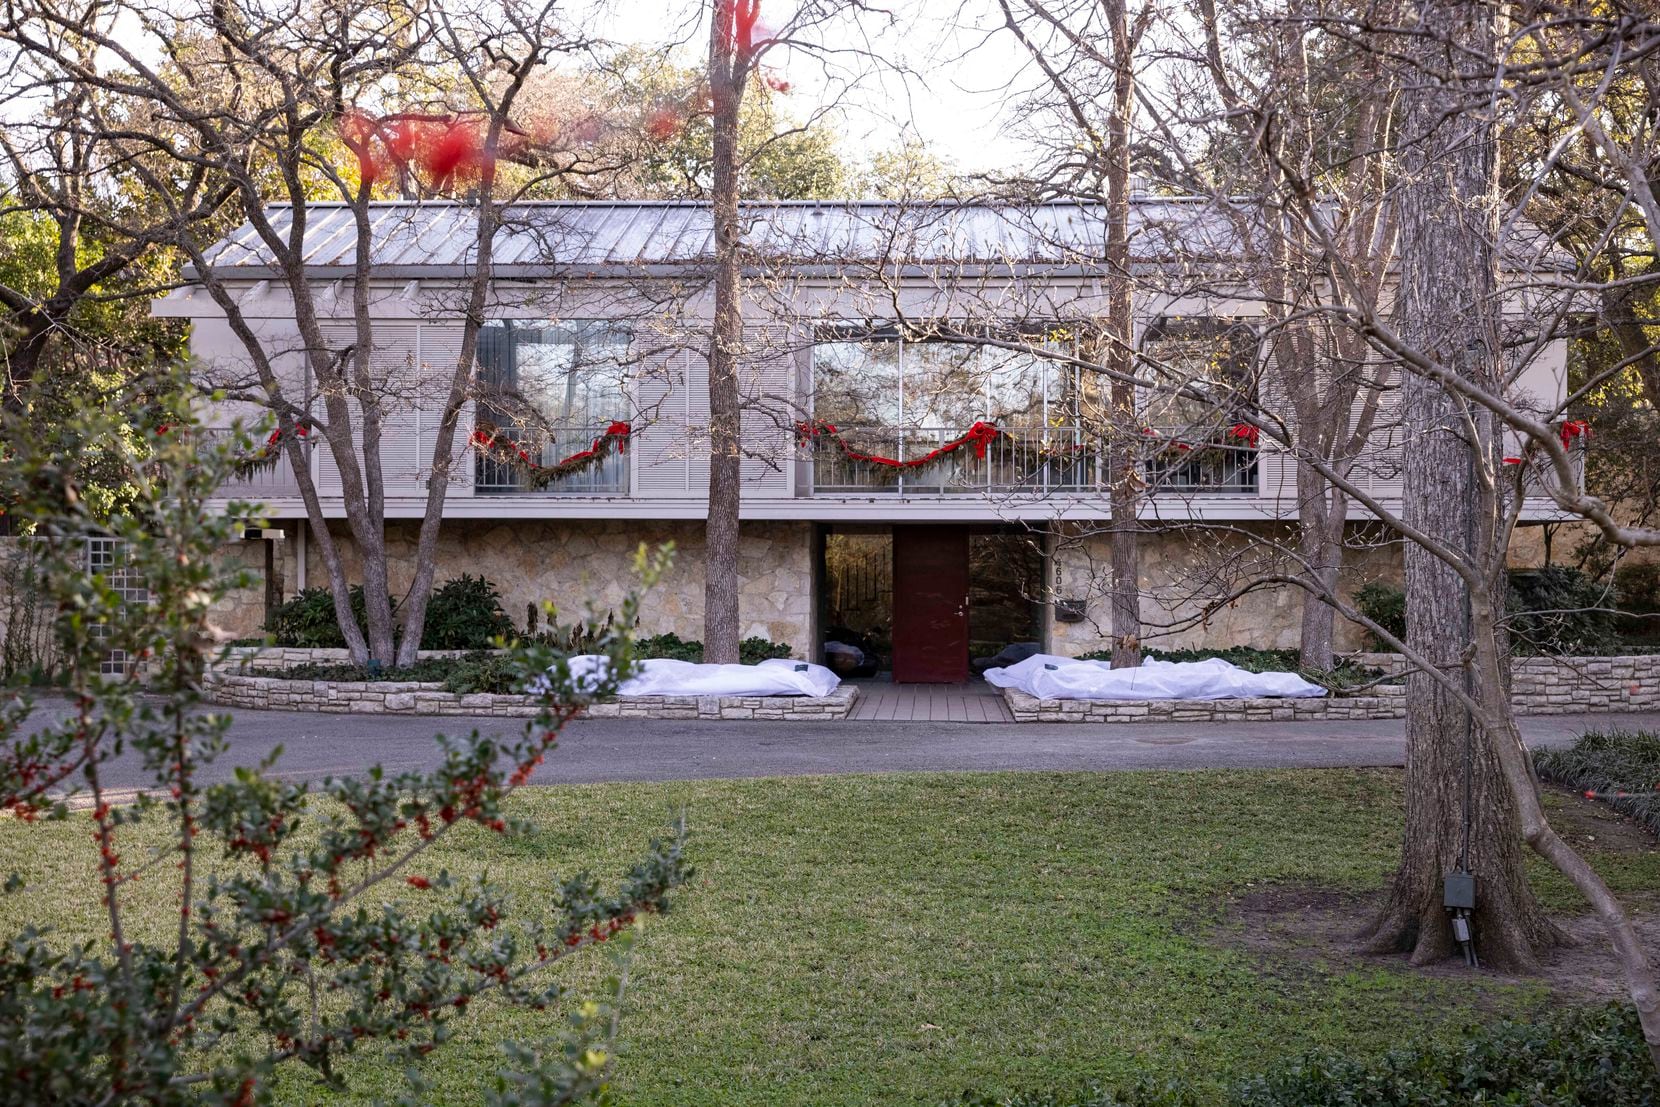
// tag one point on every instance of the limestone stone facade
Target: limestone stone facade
(577, 563)
(1182, 568)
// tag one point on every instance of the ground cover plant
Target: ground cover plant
(1621, 768)
(902, 939)
(474, 671)
(1577, 1058)
(297, 927)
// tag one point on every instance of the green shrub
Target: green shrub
(1622, 767)
(464, 614)
(669, 646)
(1559, 610)
(1385, 605)
(308, 621)
(1550, 610)
(1591, 1057)
(754, 650)
(751, 651)
(1637, 584)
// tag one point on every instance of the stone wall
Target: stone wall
(391, 697)
(1539, 686)
(1568, 685)
(578, 562)
(1183, 566)
(1386, 702)
(269, 659)
(575, 563)
(241, 614)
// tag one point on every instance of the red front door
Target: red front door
(930, 605)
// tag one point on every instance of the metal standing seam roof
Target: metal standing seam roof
(438, 236)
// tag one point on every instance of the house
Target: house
(877, 335)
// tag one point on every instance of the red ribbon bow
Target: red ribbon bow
(1572, 429)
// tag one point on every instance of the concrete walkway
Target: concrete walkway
(621, 749)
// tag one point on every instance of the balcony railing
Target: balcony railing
(607, 476)
(1180, 468)
(1036, 461)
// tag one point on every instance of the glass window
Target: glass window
(857, 382)
(562, 375)
(885, 381)
(1216, 356)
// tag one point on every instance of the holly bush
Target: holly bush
(287, 948)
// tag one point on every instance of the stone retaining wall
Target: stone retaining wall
(1566, 685)
(392, 697)
(1388, 702)
(265, 659)
(1540, 686)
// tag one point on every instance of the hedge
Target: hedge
(1621, 768)
(1589, 1057)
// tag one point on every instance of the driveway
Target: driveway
(596, 750)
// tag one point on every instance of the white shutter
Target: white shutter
(671, 449)
(440, 350)
(766, 384)
(394, 368)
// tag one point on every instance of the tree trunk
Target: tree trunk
(1125, 595)
(727, 68)
(1448, 307)
(1321, 511)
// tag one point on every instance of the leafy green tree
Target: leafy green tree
(783, 156)
(287, 947)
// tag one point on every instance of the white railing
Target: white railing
(606, 476)
(1053, 459)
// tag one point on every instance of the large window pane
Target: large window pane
(943, 385)
(857, 382)
(1213, 357)
(567, 374)
(1018, 388)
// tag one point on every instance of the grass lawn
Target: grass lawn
(899, 939)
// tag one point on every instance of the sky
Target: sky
(938, 77)
(942, 75)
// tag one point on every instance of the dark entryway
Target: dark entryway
(928, 603)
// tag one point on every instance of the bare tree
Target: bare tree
(274, 106)
(732, 54)
(1276, 90)
(1461, 816)
(1087, 56)
(738, 41)
(66, 187)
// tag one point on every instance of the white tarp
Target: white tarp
(1066, 678)
(662, 677)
